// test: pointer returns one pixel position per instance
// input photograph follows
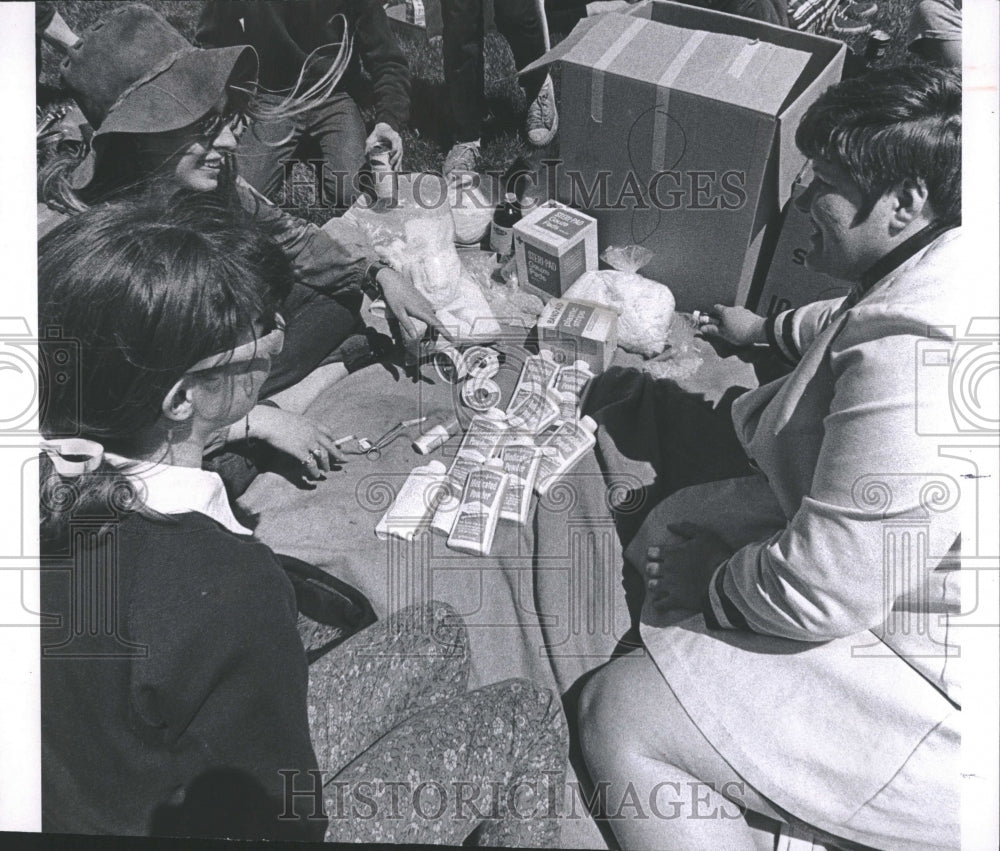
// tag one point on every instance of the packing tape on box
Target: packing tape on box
(737, 68)
(601, 65)
(661, 120)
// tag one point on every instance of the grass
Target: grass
(426, 139)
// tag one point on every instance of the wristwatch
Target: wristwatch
(369, 285)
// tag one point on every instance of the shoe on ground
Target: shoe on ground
(860, 9)
(463, 158)
(846, 25)
(543, 119)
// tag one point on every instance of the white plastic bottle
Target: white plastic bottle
(458, 474)
(411, 510)
(486, 433)
(566, 445)
(476, 522)
(520, 462)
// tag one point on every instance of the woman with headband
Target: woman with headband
(176, 696)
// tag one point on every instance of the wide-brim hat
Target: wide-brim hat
(134, 73)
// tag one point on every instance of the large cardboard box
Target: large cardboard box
(789, 283)
(677, 129)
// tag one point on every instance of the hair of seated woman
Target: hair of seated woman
(141, 291)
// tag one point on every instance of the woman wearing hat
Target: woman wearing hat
(167, 117)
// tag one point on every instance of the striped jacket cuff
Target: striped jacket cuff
(779, 335)
(719, 610)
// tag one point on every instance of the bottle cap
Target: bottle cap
(588, 423)
(510, 198)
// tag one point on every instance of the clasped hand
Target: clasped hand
(678, 573)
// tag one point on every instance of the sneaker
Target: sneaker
(860, 9)
(846, 25)
(543, 119)
(463, 157)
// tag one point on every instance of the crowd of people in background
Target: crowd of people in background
(209, 319)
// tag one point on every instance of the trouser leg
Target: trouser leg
(495, 757)
(339, 130)
(316, 324)
(463, 66)
(386, 673)
(264, 149)
(518, 21)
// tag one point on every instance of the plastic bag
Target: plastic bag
(430, 260)
(470, 210)
(645, 307)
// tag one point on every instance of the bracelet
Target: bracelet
(370, 285)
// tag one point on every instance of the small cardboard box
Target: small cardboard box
(554, 245)
(789, 283)
(573, 329)
(677, 132)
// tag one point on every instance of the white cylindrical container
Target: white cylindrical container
(413, 506)
(435, 436)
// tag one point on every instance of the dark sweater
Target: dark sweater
(203, 677)
(284, 33)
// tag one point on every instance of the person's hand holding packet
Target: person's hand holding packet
(736, 325)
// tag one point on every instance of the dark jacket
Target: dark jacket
(177, 715)
(284, 33)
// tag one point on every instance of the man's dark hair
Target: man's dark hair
(889, 125)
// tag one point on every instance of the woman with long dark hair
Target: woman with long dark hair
(167, 119)
(176, 697)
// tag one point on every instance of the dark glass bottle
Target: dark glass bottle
(508, 213)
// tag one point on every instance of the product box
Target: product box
(573, 329)
(677, 132)
(553, 246)
(789, 283)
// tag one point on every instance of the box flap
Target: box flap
(564, 46)
(729, 68)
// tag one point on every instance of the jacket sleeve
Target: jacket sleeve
(827, 575)
(333, 258)
(224, 682)
(385, 63)
(791, 332)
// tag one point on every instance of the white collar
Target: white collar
(169, 489)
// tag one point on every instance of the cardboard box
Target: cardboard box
(789, 283)
(676, 132)
(553, 246)
(573, 329)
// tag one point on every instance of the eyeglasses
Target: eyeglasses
(212, 125)
(268, 345)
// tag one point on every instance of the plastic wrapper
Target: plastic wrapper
(645, 307)
(681, 357)
(428, 257)
(470, 211)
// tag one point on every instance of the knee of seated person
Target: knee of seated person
(439, 622)
(538, 704)
(614, 711)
